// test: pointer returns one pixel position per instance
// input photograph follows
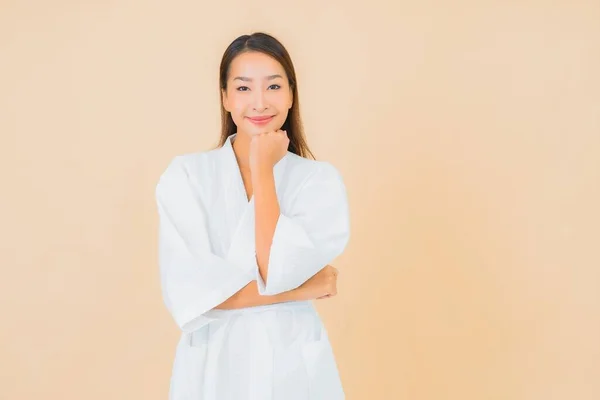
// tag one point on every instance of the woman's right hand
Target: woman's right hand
(320, 286)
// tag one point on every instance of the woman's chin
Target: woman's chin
(257, 130)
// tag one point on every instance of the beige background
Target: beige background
(468, 134)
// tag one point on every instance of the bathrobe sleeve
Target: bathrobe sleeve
(310, 235)
(193, 279)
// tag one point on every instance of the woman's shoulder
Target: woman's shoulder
(196, 157)
(312, 170)
(185, 164)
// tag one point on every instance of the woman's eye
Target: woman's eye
(246, 88)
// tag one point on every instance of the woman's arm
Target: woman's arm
(321, 286)
(293, 246)
(266, 209)
(193, 279)
(248, 296)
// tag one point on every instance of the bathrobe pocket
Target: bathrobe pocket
(321, 369)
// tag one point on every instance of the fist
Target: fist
(266, 149)
(322, 285)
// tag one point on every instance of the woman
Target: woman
(246, 234)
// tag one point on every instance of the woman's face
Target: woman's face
(257, 86)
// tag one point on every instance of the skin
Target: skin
(257, 86)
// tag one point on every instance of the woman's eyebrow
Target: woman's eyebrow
(246, 79)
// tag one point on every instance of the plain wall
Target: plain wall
(468, 135)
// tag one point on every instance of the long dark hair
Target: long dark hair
(267, 44)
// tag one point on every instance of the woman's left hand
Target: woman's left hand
(266, 149)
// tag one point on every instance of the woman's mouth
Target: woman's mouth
(260, 120)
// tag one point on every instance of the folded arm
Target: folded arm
(248, 296)
(308, 237)
(194, 280)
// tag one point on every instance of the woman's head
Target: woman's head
(257, 79)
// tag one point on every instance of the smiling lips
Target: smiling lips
(260, 120)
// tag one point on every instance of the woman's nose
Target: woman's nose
(259, 101)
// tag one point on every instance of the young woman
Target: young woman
(247, 232)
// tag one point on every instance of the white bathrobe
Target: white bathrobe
(207, 253)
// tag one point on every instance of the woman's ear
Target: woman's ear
(225, 102)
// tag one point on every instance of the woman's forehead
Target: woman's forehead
(255, 65)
